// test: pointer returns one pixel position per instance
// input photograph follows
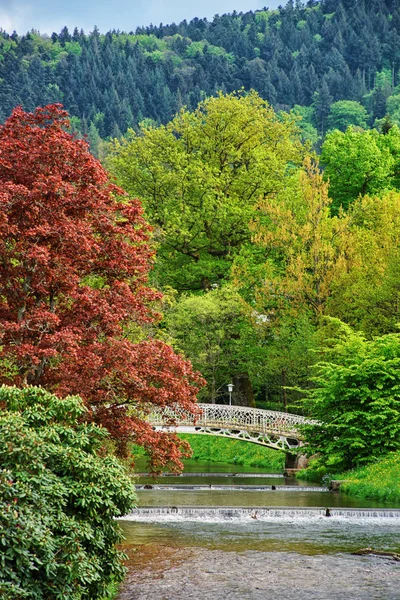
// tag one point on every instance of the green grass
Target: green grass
(379, 481)
(236, 452)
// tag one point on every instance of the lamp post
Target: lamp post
(230, 390)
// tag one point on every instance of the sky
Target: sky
(51, 15)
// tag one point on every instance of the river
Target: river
(221, 531)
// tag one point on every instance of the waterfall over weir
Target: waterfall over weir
(243, 514)
(248, 488)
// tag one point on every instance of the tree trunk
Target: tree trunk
(284, 394)
(243, 391)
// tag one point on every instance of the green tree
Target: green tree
(222, 336)
(305, 116)
(345, 113)
(367, 296)
(94, 139)
(59, 496)
(355, 163)
(322, 101)
(200, 178)
(356, 399)
(390, 140)
(393, 108)
(290, 342)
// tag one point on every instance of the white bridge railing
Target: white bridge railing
(266, 427)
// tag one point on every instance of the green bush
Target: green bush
(58, 500)
(219, 449)
(316, 474)
(356, 400)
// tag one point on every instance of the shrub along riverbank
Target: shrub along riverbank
(219, 449)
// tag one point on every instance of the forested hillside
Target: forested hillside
(310, 54)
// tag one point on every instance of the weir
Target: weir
(248, 488)
(227, 513)
(218, 474)
(297, 531)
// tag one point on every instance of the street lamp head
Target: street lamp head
(230, 387)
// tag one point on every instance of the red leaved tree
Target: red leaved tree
(74, 300)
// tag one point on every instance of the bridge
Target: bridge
(270, 428)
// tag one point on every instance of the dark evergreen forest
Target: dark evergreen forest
(310, 54)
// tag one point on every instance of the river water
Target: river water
(227, 532)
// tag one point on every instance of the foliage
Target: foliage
(306, 247)
(300, 252)
(393, 108)
(338, 50)
(361, 162)
(355, 163)
(219, 333)
(305, 116)
(200, 178)
(289, 342)
(74, 304)
(346, 113)
(367, 295)
(316, 473)
(379, 481)
(356, 399)
(236, 452)
(59, 497)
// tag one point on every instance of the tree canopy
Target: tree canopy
(356, 163)
(218, 332)
(307, 53)
(200, 178)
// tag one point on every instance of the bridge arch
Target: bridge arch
(269, 428)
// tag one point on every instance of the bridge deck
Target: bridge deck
(265, 427)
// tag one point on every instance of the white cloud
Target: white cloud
(14, 16)
(48, 16)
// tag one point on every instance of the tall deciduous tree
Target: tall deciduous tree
(219, 332)
(74, 260)
(345, 113)
(307, 248)
(356, 163)
(200, 178)
(368, 297)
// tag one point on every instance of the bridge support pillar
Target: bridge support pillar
(294, 463)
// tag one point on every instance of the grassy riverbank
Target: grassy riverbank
(378, 481)
(236, 452)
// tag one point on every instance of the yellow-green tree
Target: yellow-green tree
(306, 248)
(368, 296)
(200, 178)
